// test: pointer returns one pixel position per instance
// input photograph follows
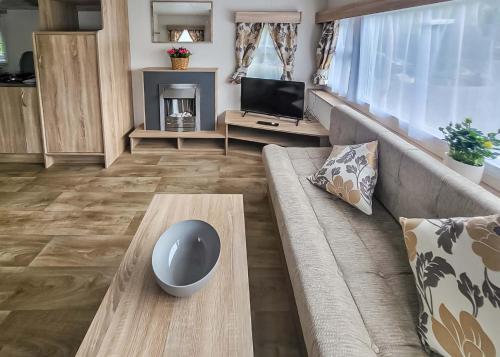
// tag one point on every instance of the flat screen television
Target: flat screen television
(278, 98)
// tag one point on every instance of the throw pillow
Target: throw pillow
(456, 265)
(351, 174)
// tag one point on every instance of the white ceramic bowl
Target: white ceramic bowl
(185, 257)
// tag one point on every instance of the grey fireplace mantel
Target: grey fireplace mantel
(204, 78)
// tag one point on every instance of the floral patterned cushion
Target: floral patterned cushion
(351, 174)
(456, 264)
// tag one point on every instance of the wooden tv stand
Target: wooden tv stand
(244, 135)
(237, 135)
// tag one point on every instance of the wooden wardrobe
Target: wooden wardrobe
(84, 83)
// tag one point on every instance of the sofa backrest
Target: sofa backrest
(411, 183)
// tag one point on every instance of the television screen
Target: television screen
(278, 98)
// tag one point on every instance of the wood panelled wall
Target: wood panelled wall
(341, 9)
(115, 78)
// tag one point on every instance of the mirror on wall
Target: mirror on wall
(181, 21)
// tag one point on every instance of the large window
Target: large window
(424, 66)
(185, 37)
(266, 63)
(3, 49)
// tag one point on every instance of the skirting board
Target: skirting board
(73, 159)
(21, 158)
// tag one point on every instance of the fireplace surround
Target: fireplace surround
(195, 91)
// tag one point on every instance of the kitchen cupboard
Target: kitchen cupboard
(68, 80)
(19, 121)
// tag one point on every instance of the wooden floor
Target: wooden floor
(63, 232)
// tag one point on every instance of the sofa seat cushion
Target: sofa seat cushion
(378, 247)
(367, 274)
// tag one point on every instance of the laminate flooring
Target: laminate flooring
(64, 230)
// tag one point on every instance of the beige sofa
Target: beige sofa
(350, 274)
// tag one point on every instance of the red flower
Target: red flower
(179, 52)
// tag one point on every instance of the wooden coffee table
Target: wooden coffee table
(136, 318)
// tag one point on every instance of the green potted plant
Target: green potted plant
(469, 148)
(179, 57)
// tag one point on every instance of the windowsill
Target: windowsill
(334, 100)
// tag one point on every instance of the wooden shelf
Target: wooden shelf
(245, 148)
(241, 130)
(190, 69)
(201, 145)
(151, 146)
(305, 128)
(140, 133)
(162, 142)
(270, 137)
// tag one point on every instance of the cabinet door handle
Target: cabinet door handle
(40, 60)
(22, 98)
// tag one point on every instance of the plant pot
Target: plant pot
(180, 64)
(473, 173)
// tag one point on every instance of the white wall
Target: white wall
(320, 109)
(220, 53)
(18, 26)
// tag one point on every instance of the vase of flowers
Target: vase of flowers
(179, 57)
(469, 148)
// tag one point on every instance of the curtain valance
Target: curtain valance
(288, 17)
(352, 8)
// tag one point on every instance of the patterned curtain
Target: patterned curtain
(175, 35)
(285, 41)
(247, 40)
(197, 35)
(326, 51)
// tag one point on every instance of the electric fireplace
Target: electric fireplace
(179, 107)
